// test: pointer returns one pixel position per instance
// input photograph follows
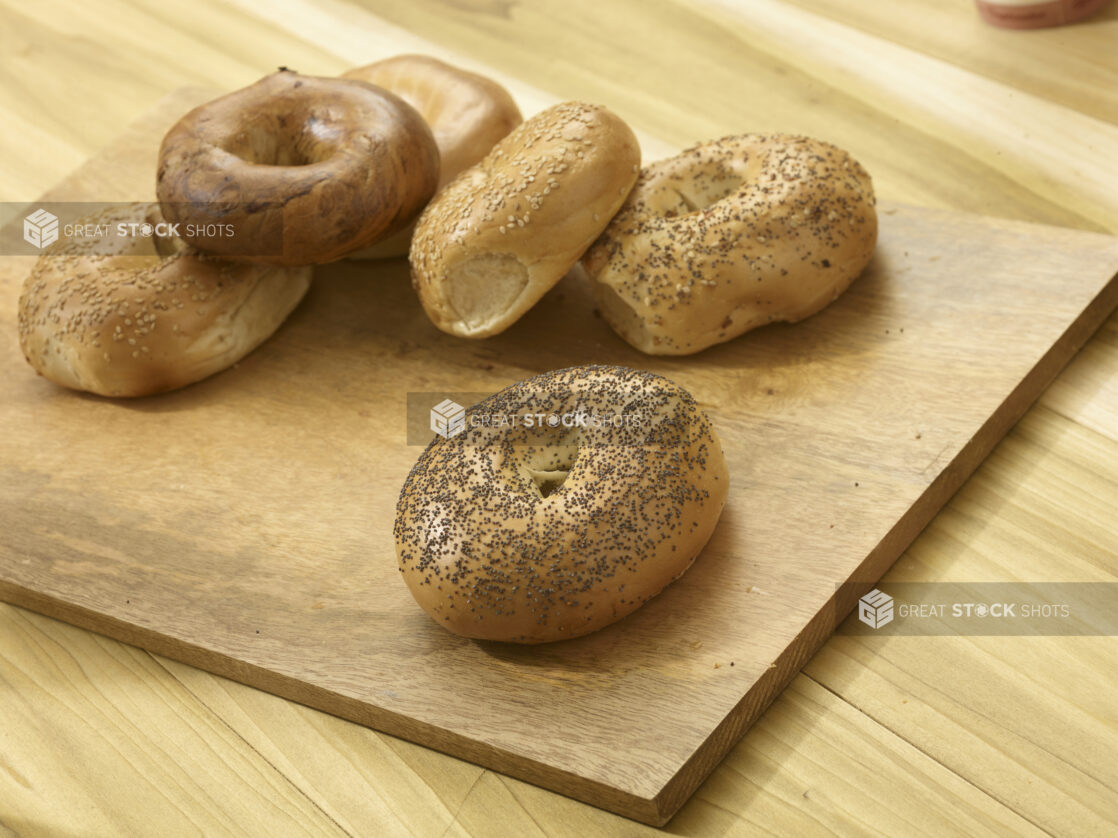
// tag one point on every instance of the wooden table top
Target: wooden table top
(897, 736)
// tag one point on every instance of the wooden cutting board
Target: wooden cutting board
(244, 524)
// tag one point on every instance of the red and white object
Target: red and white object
(1036, 14)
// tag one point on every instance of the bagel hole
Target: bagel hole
(699, 194)
(269, 145)
(548, 482)
(547, 468)
(689, 205)
(483, 288)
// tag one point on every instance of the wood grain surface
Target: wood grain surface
(244, 524)
(106, 740)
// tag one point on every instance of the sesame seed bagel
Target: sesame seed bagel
(533, 524)
(467, 113)
(134, 315)
(731, 235)
(305, 169)
(500, 235)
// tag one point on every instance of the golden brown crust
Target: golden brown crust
(115, 317)
(506, 230)
(306, 169)
(730, 235)
(467, 113)
(530, 532)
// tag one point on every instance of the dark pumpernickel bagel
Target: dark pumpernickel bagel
(296, 170)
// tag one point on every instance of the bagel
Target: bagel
(139, 314)
(730, 235)
(467, 113)
(305, 169)
(506, 230)
(530, 526)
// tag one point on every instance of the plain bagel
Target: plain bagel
(136, 314)
(296, 170)
(500, 235)
(591, 491)
(731, 235)
(468, 114)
